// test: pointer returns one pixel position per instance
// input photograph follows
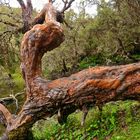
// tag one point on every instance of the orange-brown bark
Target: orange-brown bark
(90, 87)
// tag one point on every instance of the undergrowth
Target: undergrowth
(117, 121)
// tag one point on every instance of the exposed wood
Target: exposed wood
(90, 87)
(6, 116)
(48, 13)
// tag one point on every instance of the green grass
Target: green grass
(117, 121)
(90, 62)
(131, 132)
(11, 85)
(18, 80)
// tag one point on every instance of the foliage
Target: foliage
(90, 62)
(11, 84)
(115, 119)
(130, 133)
(111, 37)
(10, 41)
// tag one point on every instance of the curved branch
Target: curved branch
(5, 115)
(67, 5)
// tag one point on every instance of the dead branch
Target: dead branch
(10, 98)
(67, 5)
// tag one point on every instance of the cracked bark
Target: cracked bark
(90, 87)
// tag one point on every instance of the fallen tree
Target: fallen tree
(91, 87)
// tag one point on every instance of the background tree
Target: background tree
(111, 37)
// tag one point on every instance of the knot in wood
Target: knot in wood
(57, 94)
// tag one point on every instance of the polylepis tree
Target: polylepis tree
(27, 10)
(90, 87)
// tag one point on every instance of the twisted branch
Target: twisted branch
(5, 115)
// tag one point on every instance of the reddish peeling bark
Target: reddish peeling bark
(90, 87)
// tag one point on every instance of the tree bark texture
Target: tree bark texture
(87, 88)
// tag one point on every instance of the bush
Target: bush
(108, 123)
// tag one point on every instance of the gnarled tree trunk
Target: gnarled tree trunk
(90, 87)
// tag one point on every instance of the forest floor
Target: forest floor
(118, 121)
